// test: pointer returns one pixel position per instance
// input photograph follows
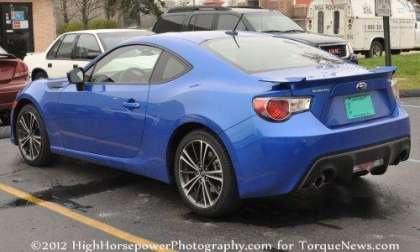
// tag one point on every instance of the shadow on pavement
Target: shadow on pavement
(361, 199)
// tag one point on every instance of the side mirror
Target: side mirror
(77, 76)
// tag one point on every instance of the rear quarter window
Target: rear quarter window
(172, 23)
(201, 22)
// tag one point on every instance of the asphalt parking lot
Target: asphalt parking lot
(84, 202)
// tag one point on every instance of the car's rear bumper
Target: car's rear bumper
(275, 158)
(340, 166)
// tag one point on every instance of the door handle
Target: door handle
(131, 105)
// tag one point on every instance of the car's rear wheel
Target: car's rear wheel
(5, 118)
(32, 137)
(204, 175)
(376, 49)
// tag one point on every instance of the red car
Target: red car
(13, 77)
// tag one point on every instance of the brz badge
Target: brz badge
(361, 86)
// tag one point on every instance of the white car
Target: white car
(76, 49)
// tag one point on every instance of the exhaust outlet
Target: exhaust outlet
(326, 177)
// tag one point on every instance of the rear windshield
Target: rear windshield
(262, 54)
(111, 39)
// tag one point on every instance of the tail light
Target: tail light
(279, 109)
(21, 70)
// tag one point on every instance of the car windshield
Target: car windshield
(2, 51)
(266, 53)
(272, 21)
(111, 39)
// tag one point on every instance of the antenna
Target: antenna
(234, 32)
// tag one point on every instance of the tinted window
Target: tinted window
(169, 68)
(201, 22)
(336, 22)
(87, 47)
(130, 64)
(320, 22)
(169, 23)
(66, 47)
(111, 39)
(228, 22)
(53, 51)
(261, 54)
(418, 14)
(272, 21)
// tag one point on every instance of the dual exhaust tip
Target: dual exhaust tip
(329, 174)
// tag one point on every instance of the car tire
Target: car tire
(32, 137)
(5, 118)
(376, 49)
(215, 178)
(39, 75)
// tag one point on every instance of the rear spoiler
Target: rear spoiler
(303, 82)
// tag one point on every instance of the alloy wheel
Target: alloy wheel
(29, 135)
(200, 173)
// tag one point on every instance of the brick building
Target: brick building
(296, 9)
(26, 25)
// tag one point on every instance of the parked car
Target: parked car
(254, 19)
(270, 116)
(76, 49)
(13, 77)
(356, 21)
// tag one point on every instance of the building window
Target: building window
(336, 22)
(320, 22)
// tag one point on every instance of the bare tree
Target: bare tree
(64, 10)
(134, 8)
(110, 8)
(88, 9)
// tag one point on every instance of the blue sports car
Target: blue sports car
(223, 115)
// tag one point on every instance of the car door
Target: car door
(107, 117)
(63, 62)
(87, 49)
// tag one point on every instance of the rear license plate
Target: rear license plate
(359, 106)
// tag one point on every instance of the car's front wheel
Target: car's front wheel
(204, 175)
(32, 137)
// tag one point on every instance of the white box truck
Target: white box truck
(355, 21)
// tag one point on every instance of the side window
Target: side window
(66, 47)
(418, 14)
(53, 51)
(228, 22)
(169, 68)
(320, 22)
(129, 64)
(171, 23)
(203, 22)
(87, 47)
(336, 22)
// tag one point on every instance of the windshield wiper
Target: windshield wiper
(294, 30)
(272, 31)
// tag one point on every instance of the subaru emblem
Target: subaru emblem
(361, 86)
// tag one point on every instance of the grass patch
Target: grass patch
(408, 68)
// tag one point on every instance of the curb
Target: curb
(409, 93)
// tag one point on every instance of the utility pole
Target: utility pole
(383, 9)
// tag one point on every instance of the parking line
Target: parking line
(82, 219)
